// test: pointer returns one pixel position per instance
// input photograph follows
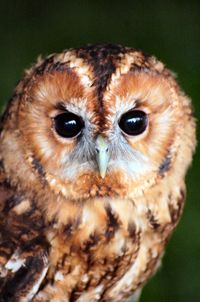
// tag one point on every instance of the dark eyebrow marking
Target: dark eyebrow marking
(61, 106)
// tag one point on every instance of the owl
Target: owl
(94, 147)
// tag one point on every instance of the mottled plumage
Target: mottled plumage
(87, 218)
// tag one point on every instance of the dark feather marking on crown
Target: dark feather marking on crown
(143, 63)
(103, 59)
(50, 65)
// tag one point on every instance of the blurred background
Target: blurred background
(168, 29)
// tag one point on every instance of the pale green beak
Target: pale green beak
(102, 154)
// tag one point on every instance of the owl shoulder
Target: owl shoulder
(23, 246)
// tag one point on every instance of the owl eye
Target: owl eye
(133, 122)
(68, 124)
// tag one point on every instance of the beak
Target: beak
(102, 154)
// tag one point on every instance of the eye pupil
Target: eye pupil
(133, 122)
(68, 124)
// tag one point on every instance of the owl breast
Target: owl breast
(109, 248)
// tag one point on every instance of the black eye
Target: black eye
(68, 124)
(133, 122)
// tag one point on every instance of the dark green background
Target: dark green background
(168, 29)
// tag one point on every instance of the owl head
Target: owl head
(101, 120)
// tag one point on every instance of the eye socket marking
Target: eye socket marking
(68, 124)
(133, 122)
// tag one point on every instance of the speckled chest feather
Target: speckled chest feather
(87, 218)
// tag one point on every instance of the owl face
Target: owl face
(98, 118)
